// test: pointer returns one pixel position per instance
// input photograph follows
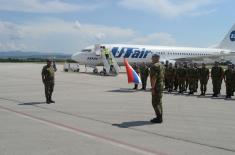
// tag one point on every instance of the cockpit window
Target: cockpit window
(86, 50)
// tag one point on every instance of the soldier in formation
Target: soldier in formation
(229, 81)
(176, 82)
(203, 77)
(186, 80)
(170, 74)
(191, 75)
(144, 73)
(217, 74)
(196, 77)
(181, 75)
(165, 77)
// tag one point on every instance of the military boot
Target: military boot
(157, 119)
(48, 100)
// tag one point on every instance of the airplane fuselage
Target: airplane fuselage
(142, 53)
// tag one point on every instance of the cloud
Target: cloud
(56, 35)
(10, 31)
(10, 36)
(42, 6)
(202, 13)
(169, 8)
(11, 46)
(100, 36)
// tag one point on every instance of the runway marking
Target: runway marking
(121, 144)
(130, 128)
(137, 129)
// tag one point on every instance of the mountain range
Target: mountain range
(39, 55)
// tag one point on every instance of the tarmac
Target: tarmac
(97, 115)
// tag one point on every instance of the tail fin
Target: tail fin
(229, 41)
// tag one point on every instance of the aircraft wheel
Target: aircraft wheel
(102, 73)
(95, 71)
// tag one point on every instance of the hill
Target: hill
(34, 55)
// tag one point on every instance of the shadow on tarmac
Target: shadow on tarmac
(32, 103)
(123, 90)
(132, 124)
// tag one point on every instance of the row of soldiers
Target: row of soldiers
(183, 76)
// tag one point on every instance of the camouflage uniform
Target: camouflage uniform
(48, 81)
(165, 79)
(217, 77)
(157, 72)
(170, 74)
(144, 73)
(181, 74)
(233, 84)
(186, 80)
(196, 77)
(176, 82)
(203, 77)
(229, 80)
(191, 79)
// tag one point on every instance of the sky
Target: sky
(67, 26)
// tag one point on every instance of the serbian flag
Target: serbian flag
(132, 76)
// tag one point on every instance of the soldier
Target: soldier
(229, 80)
(203, 77)
(176, 82)
(170, 76)
(165, 80)
(54, 65)
(48, 76)
(144, 73)
(233, 84)
(196, 77)
(186, 80)
(157, 78)
(217, 74)
(137, 70)
(181, 77)
(191, 79)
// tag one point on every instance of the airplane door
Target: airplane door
(97, 50)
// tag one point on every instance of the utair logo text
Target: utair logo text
(232, 36)
(127, 52)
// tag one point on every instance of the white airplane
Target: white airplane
(91, 56)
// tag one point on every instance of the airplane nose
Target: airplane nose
(76, 57)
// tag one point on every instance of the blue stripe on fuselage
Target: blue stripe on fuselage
(127, 52)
